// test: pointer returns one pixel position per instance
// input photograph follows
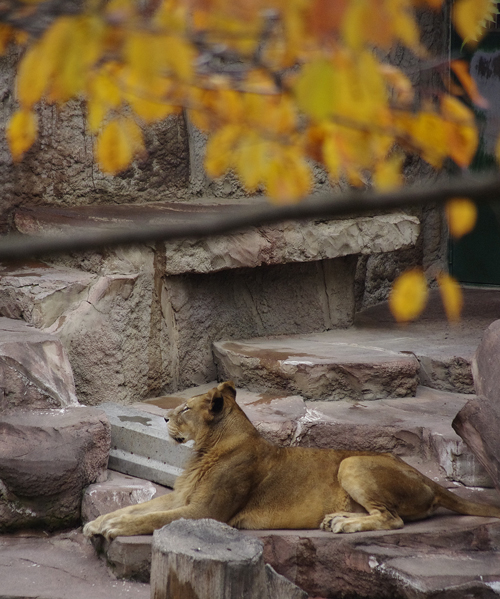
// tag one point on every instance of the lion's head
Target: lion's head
(200, 414)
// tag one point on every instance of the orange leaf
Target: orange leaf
(452, 297)
(461, 215)
(21, 133)
(461, 70)
(408, 295)
(461, 133)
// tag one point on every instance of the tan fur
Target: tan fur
(237, 477)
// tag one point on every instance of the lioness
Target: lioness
(236, 476)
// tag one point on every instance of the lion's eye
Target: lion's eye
(185, 409)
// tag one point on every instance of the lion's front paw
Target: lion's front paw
(109, 526)
(340, 522)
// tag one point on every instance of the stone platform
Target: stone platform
(374, 359)
(34, 565)
(445, 556)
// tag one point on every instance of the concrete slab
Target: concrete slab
(141, 446)
(62, 566)
(282, 243)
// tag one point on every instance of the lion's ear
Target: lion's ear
(229, 387)
(217, 403)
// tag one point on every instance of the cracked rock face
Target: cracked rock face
(479, 420)
(110, 326)
(34, 369)
(47, 458)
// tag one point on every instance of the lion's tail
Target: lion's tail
(452, 502)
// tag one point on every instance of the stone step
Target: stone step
(445, 556)
(374, 359)
(141, 446)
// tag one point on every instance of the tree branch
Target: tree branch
(16, 247)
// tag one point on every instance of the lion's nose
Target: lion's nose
(167, 419)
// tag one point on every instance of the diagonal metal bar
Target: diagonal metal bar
(14, 247)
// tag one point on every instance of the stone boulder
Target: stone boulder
(47, 458)
(34, 369)
(478, 421)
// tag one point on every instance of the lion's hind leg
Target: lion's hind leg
(387, 489)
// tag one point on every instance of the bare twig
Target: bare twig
(16, 247)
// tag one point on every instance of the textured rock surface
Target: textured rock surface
(444, 353)
(47, 458)
(317, 367)
(269, 300)
(59, 566)
(283, 243)
(117, 491)
(60, 167)
(143, 322)
(478, 424)
(479, 421)
(110, 325)
(34, 369)
(445, 556)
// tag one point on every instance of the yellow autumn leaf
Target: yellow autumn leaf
(22, 130)
(219, 156)
(430, 136)
(82, 49)
(251, 160)
(117, 144)
(33, 76)
(143, 54)
(461, 215)
(405, 25)
(332, 156)
(103, 94)
(461, 70)
(387, 174)
(315, 89)
(179, 55)
(471, 17)
(452, 296)
(56, 43)
(288, 177)
(408, 295)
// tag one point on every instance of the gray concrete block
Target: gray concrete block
(141, 446)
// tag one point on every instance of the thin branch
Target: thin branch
(15, 247)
